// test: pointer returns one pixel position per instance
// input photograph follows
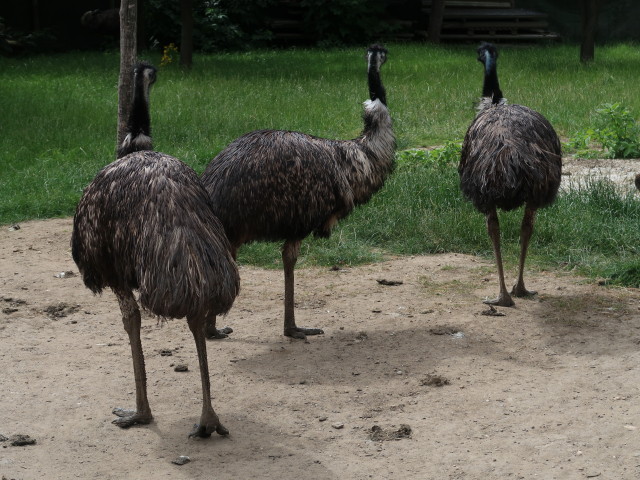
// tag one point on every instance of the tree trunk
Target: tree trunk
(35, 15)
(435, 20)
(186, 42)
(128, 56)
(589, 25)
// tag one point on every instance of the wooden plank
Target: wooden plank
(499, 36)
(509, 24)
(494, 13)
(435, 20)
(473, 3)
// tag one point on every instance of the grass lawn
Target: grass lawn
(58, 129)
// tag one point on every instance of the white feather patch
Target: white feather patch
(486, 102)
(372, 104)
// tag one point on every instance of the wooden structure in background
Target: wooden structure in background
(436, 20)
(485, 20)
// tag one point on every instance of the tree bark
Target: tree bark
(35, 15)
(435, 20)
(186, 42)
(589, 25)
(128, 56)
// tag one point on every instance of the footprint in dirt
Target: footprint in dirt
(13, 304)
(60, 310)
(379, 434)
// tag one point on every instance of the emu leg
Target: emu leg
(209, 421)
(493, 227)
(525, 235)
(290, 252)
(131, 320)
(213, 333)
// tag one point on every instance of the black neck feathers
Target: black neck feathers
(139, 122)
(138, 136)
(376, 56)
(488, 56)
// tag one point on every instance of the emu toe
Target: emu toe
(301, 332)
(128, 418)
(519, 291)
(213, 333)
(501, 301)
(205, 430)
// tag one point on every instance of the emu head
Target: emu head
(144, 72)
(376, 55)
(487, 51)
(144, 75)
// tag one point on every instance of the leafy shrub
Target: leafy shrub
(14, 43)
(212, 27)
(617, 131)
(614, 129)
(448, 154)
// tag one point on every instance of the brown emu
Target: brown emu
(510, 156)
(145, 223)
(637, 181)
(272, 185)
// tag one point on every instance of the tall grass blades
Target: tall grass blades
(58, 129)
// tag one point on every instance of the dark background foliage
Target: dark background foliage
(54, 25)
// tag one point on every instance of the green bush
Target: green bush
(448, 154)
(614, 129)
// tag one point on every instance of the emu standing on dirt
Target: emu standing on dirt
(146, 223)
(272, 185)
(510, 156)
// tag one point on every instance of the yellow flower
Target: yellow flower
(167, 54)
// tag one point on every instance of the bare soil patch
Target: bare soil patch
(621, 172)
(549, 390)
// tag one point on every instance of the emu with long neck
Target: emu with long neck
(145, 223)
(488, 56)
(510, 156)
(275, 185)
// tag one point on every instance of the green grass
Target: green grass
(593, 230)
(58, 129)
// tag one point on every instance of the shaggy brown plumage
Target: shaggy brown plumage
(511, 156)
(145, 223)
(271, 185)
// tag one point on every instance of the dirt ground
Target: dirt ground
(410, 381)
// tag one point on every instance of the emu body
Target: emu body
(145, 223)
(511, 156)
(274, 185)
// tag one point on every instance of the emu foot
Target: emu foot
(504, 300)
(519, 291)
(130, 417)
(212, 333)
(209, 423)
(301, 332)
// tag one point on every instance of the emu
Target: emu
(274, 185)
(102, 21)
(511, 156)
(145, 223)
